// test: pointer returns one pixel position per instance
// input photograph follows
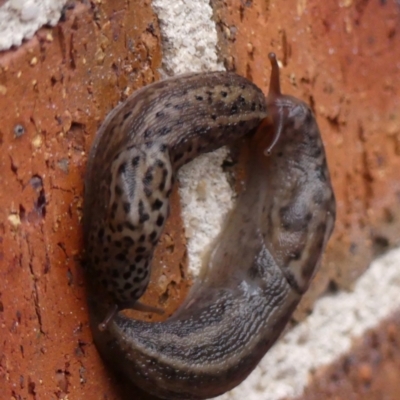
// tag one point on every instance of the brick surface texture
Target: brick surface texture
(343, 57)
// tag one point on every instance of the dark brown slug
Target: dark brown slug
(260, 266)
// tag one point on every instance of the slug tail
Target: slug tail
(109, 317)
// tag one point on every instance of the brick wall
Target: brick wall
(342, 57)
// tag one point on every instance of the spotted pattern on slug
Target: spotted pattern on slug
(141, 180)
(132, 164)
(262, 262)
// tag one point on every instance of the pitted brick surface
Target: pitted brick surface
(342, 57)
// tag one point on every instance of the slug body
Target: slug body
(263, 260)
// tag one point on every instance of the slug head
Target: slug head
(283, 110)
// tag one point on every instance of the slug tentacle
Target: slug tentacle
(275, 81)
(276, 114)
(264, 259)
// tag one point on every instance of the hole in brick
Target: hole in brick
(19, 130)
(40, 204)
(32, 388)
(36, 182)
(380, 244)
(22, 212)
(332, 287)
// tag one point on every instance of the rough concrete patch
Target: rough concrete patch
(326, 334)
(20, 19)
(190, 45)
(189, 36)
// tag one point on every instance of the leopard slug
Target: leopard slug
(263, 260)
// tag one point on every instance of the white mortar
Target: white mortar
(20, 19)
(189, 36)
